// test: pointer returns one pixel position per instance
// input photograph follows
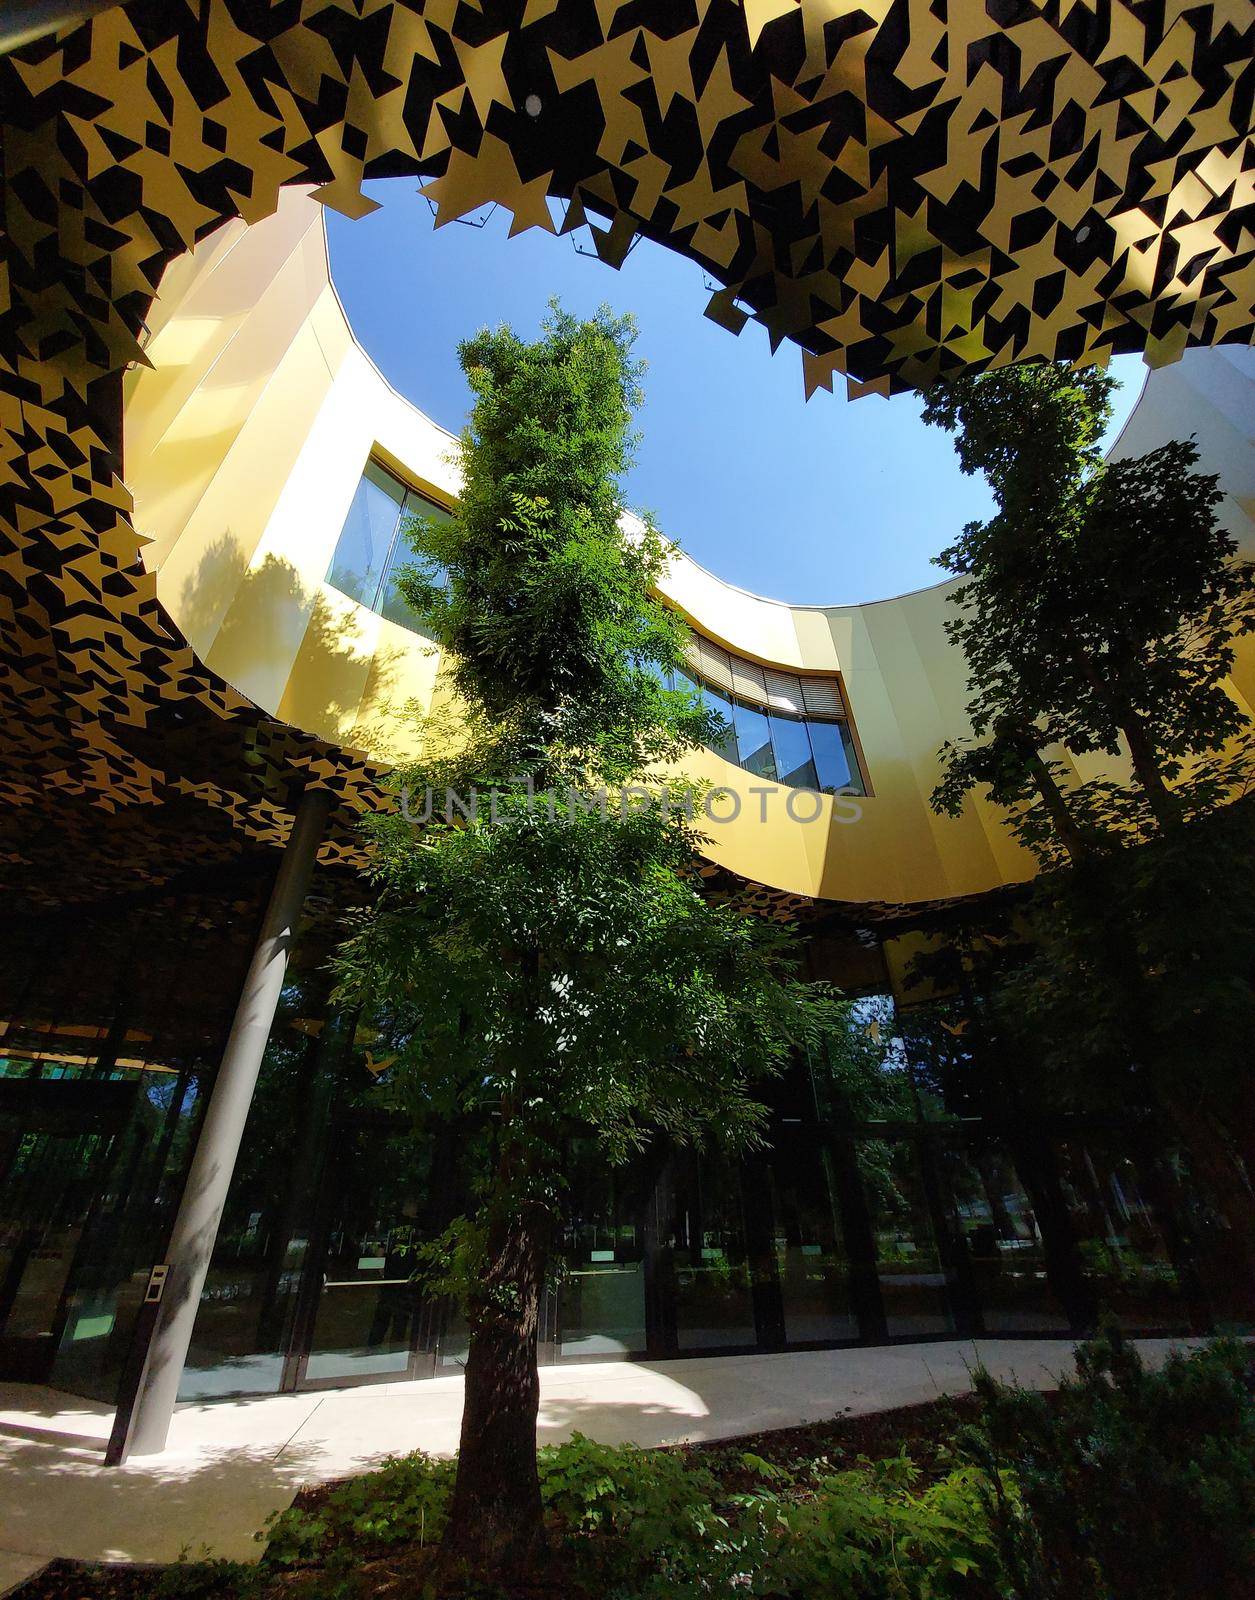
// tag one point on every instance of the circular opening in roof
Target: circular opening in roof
(826, 501)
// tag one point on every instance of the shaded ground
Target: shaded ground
(923, 1430)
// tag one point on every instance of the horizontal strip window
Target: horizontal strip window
(780, 727)
(372, 550)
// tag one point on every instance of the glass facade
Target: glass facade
(111, 1023)
(898, 1200)
(372, 550)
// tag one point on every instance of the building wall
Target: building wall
(245, 441)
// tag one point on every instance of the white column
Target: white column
(209, 1176)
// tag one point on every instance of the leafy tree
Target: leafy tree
(1101, 600)
(1100, 608)
(545, 965)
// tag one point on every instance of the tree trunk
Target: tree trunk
(1164, 806)
(495, 1528)
(1070, 836)
(1038, 1170)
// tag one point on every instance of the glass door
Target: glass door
(364, 1310)
(812, 1264)
(601, 1293)
(997, 1230)
(914, 1287)
(710, 1276)
(1121, 1241)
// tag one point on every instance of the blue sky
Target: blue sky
(823, 501)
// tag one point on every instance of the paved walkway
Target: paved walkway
(231, 1463)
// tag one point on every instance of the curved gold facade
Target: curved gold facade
(245, 442)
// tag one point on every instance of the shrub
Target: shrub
(660, 1526)
(870, 1532)
(1136, 1485)
(209, 1579)
(404, 1502)
(635, 1505)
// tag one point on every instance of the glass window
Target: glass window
(753, 735)
(368, 1302)
(602, 1295)
(392, 603)
(793, 752)
(812, 1267)
(835, 762)
(373, 549)
(365, 541)
(721, 705)
(1119, 1235)
(686, 682)
(766, 739)
(713, 1302)
(993, 1218)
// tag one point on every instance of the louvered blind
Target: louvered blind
(748, 680)
(764, 686)
(822, 697)
(709, 661)
(784, 691)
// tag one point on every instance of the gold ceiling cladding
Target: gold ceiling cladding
(903, 189)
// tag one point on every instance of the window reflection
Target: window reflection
(803, 752)
(753, 735)
(365, 542)
(834, 757)
(792, 741)
(724, 744)
(373, 551)
(908, 1263)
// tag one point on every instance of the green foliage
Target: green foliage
(544, 967)
(860, 1071)
(570, 976)
(405, 1502)
(1034, 430)
(1100, 601)
(1127, 1484)
(873, 1532)
(207, 1579)
(638, 1504)
(659, 1526)
(1136, 1485)
(663, 1527)
(1099, 612)
(547, 967)
(1136, 983)
(549, 611)
(548, 964)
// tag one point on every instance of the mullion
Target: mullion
(376, 604)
